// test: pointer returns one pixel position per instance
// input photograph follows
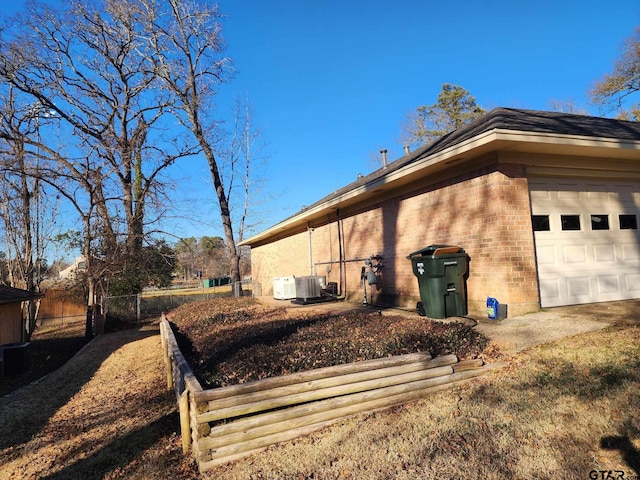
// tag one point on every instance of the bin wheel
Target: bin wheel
(420, 309)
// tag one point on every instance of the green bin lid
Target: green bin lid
(435, 250)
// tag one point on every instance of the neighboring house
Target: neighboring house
(545, 205)
(69, 273)
(11, 300)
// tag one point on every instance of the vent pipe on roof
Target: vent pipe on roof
(406, 149)
(384, 157)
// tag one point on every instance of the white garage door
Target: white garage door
(587, 240)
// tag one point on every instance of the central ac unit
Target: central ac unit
(309, 287)
(284, 288)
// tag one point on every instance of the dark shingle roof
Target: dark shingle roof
(540, 122)
(12, 295)
(535, 121)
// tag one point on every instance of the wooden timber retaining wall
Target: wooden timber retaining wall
(224, 424)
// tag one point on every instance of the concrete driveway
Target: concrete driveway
(519, 333)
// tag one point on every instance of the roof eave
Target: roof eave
(491, 140)
(23, 299)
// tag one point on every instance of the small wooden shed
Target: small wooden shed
(11, 300)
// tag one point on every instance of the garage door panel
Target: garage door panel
(572, 254)
(603, 253)
(540, 195)
(550, 290)
(579, 286)
(632, 283)
(630, 252)
(594, 194)
(546, 255)
(600, 261)
(607, 283)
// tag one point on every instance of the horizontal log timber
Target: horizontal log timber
(332, 408)
(208, 465)
(308, 375)
(261, 420)
(236, 444)
(312, 385)
(297, 398)
(468, 365)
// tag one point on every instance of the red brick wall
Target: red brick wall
(485, 212)
(289, 256)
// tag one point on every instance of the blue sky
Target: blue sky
(332, 82)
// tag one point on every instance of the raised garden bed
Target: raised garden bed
(236, 340)
(247, 376)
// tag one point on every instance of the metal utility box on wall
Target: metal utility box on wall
(284, 288)
(309, 287)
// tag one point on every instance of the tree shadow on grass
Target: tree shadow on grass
(45, 356)
(630, 453)
(25, 411)
(117, 455)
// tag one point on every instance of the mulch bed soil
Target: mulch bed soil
(236, 340)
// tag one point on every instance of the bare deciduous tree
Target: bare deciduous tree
(246, 158)
(567, 106)
(188, 47)
(117, 74)
(25, 211)
(92, 67)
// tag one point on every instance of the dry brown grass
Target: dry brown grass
(106, 414)
(559, 411)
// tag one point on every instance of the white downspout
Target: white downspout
(309, 231)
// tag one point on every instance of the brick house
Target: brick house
(544, 204)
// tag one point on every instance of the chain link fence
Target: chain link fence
(132, 309)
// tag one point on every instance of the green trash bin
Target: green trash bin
(440, 270)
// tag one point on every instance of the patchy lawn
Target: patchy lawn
(567, 409)
(236, 340)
